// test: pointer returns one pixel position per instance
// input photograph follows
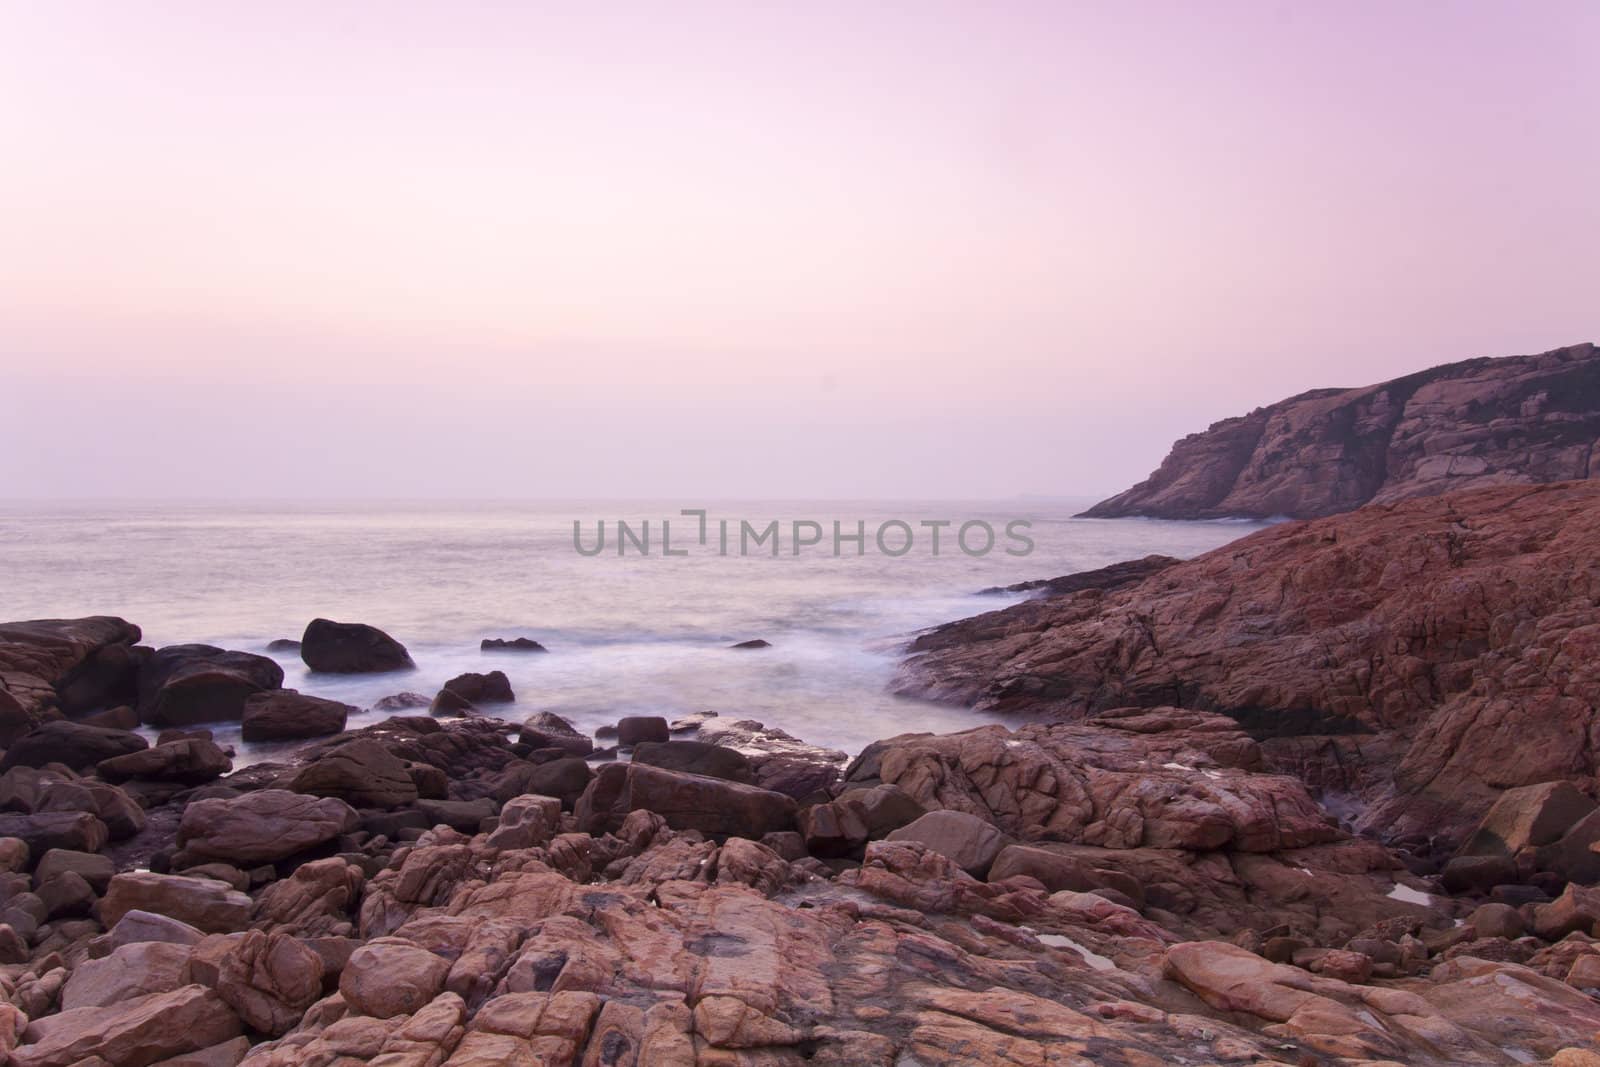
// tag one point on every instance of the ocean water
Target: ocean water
(640, 634)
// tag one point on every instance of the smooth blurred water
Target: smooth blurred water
(626, 636)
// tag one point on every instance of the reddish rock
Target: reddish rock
(285, 715)
(685, 801)
(182, 685)
(1385, 654)
(54, 666)
(351, 648)
(1480, 422)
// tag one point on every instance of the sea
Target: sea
(640, 633)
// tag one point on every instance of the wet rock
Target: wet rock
(752, 644)
(780, 762)
(285, 715)
(401, 702)
(262, 827)
(189, 762)
(490, 688)
(206, 905)
(546, 729)
(351, 648)
(186, 684)
(70, 744)
(123, 717)
(283, 644)
(968, 841)
(633, 729)
(70, 665)
(685, 801)
(515, 644)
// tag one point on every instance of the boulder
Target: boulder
(315, 899)
(363, 773)
(696, 757)
(387, 977)
(966, 840)
(1572, 856)
(283, 644)
(186, 684)
(262, 827)
(527, 821)
(490, 688)
(351, 648)
(96, 870)
(1497, 920)
(269, 980)
(685, 801)
(565, 779)
(754, 643)
(842, 827)
(546, 729)
(122, 814)
(1527, 817)
(1057, 870)
(778, 760)
(286, 715)
(206, 905)
(134, 1033)
(192, 761)
(139, 926)
(515, 644)
(77, 831)
(632, 729)
(68, 666)
(400, 702)
(130, 971)
(1576, 909)
(462, 815)
(70, 744)
(1469, 874)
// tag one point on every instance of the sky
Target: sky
(887, 250)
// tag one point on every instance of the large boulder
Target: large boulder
(966, 840)
(351, 648)
(288, 715)
(363, 773)
(182, 685)
(42, 831)
(70, 666)
(491, 688)
(70, 744)
(191, 761)
(696, 757)
(145, 1030)
(204, 904)
(132, 970)
(262, 827)
(386, 977)
(685, 801)
(1527, 817)
(270, 980)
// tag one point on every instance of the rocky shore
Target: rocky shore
(1324, 796)
(1518, 420)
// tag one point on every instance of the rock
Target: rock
(181, 685)
(1577, 908)
(565, 779)
(1497, 920)
(71, 744)
(315, 900)
(691, 722)
(1481, 422)
(363, 773)
(67, 895)
(351, 648)
(546, 729)
(68, 666)
(1058, 870)
(206, 905)
(1572, 857)
(1103, 579)
(401, 701)
(387, 977)
(966, 840)
(696, 757)
(96, 870)
(515, 644)
(137, 926)
(780, 762)
(122, 717)
(843, 827)
(285, 715)
(283, 644)
(74, 830)
(1526, 817)
(462, 815)
(527, 821)
(134, 970)
(449, 702)
(228, 1053)
(121, 813)
(490, 688)
(1291, 632)
(14, 855)
(685, 801)
(1353, 967)
(145, 1030)
(752, 644)
(13, 946)
(269, 980)
(1585, 972)
(632, 729)
(262, 827)
(190, 762)
(1467, 874)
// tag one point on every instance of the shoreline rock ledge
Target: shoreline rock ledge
(1518, 420)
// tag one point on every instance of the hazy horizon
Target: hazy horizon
(911, 252)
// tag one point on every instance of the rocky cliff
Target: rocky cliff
(1410, 660)
(1482, 422)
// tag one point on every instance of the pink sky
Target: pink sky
(895, 249)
